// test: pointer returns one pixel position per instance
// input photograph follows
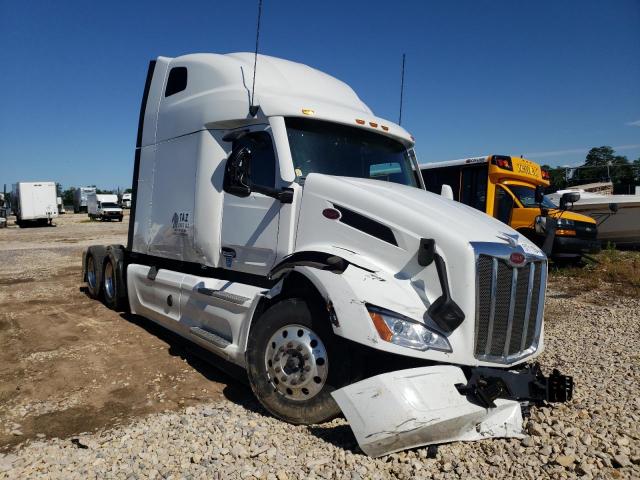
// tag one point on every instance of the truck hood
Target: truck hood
(411, 213)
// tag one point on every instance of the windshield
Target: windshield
(527, 197)
(109, 205)
(324, 147)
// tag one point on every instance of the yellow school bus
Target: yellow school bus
(504, 187)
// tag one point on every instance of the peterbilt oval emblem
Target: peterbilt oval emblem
(331, 213)
(516, 258)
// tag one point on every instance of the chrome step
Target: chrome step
(210, 337)
(229, 297)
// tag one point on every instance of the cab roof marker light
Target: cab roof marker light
(373, 124)
(308, 111)
(385, 128)
(359, 121)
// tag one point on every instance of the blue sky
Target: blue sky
(545, 79)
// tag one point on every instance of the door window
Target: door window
(263, 158)
(502, 205)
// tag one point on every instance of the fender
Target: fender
(333, 259)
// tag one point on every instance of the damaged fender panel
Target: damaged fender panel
(421, 406)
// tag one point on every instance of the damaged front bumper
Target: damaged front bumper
(438, 404)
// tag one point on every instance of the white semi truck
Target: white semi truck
(126, 200)
(34, 203)
(80, 198)
(290, 236)
(103, 207)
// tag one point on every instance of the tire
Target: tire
(93, 270)
(291, 386)
(114, 288)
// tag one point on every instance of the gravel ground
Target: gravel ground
(594, 337)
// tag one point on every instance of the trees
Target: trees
(67, 196)
(601, 165)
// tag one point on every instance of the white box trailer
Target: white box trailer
(103, 207)
(80, 198)
(291, 238)
(34, 203)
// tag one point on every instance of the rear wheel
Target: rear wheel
(114, 289)
(93, 270)
(92, 277)
(294, 362)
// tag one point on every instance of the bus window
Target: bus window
(502, 205)
(434, 178)
(474, 187)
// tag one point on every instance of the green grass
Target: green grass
(615, 270)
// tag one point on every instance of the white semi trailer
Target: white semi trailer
(34, 203)
(289, 236)
(80, 198)
(103, 207)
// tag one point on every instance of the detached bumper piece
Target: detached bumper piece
(421, 406)
(528, 384)
(431, 405)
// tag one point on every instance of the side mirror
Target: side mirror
(446, 191)
(613, 207)
(236, 173)
(539, 194)
(568, 197)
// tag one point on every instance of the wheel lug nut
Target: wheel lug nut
(293, 382)
(306, 356)
(306, 368)
(302, 378)
(283, 379)
(299, 348)
(278, 369)
(290, 344)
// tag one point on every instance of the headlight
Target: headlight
(395, 328)
(563, 223)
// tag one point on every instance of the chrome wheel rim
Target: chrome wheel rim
(108, 280)
(91, 273)
(297, 363)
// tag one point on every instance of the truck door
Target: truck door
(250, 225)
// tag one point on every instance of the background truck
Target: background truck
(126, 200)
(80, 198)
(34, 203)
(103, 207)
(505, 187)
(290, 236)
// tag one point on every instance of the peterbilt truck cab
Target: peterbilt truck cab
(281, 227)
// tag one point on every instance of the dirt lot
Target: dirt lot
(68, 366)
(67, 363)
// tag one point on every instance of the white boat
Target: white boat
(617, 216)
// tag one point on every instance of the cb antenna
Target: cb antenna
(401, 89)
(253, 109)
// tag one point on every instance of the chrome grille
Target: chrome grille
(508, 306)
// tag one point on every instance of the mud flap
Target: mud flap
(421, 406)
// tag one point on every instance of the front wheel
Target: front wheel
(294, 362)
